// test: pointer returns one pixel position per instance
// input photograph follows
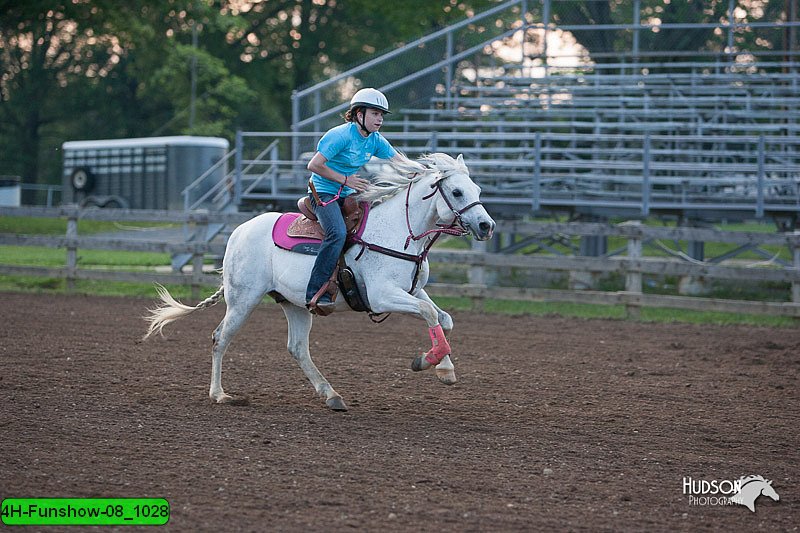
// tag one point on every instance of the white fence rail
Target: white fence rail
(632, 266)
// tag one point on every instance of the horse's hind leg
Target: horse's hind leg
(299, 320)
(239, 308)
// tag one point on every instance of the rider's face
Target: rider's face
(373, 119)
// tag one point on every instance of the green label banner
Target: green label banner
(85, 511)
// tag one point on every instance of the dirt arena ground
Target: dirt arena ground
(555, 424)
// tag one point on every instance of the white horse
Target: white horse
(412, 204)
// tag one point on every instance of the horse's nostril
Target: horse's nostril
(485, 226)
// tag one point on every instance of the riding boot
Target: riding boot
(324, 301)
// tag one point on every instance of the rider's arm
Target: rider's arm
(317, 165)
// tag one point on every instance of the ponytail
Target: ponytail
(350, 114)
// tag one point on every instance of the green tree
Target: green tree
(695, 43)
(220, 94)
(76, 69)
(45, 50)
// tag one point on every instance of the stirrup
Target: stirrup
(321, 309)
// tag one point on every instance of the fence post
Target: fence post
(646, 175)
(72, 248)
(796, 264)
(537, 172)
(295, 127)
(633, 276)
(760, 178)
(476, 275)
(201, 229)
(237, 177)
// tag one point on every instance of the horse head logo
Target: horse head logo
(751, 487)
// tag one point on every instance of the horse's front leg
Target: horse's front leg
(445, 370)
(399, 301)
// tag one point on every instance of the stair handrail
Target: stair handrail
(397, 51)
(203, 176)
(225, 181)
(297, 95)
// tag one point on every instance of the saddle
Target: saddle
(301, 233)
(307, 226)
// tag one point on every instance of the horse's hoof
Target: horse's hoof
(420, 363)
(336, 403)
(227, 399)
(448, 377)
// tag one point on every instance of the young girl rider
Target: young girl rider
(341, 152)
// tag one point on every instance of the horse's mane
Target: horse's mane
(405, 172)
(745, 480)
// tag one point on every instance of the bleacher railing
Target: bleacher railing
(430, 66)
(723, 175)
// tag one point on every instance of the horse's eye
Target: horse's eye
(457, 193)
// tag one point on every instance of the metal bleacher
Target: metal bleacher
(716, 142)
(713, 138)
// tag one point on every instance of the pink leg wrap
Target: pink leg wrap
(440, 345)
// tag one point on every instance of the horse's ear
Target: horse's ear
(769, 482)
(460, 158)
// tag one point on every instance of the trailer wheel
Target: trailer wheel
(82, 180)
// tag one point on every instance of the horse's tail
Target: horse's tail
(171, 309)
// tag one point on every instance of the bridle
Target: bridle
(456, 227)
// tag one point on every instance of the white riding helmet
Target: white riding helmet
(370, 98)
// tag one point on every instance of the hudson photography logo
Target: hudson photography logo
(742, 491)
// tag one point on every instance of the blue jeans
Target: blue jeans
(332, 221)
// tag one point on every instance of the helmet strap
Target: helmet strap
(361, 124)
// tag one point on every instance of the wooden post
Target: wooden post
(72, 250)
(476, 275)
(633, 277)
(796, 265)
(200, 230)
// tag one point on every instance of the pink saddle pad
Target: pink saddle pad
(301, 245)
(305, 245)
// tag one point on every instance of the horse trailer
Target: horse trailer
(144, 173)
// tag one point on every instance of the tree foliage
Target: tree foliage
(74, 69)
(695, 43)
(78, 69)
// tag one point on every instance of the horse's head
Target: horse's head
(767, 490)
(459, 202)
(751, 488)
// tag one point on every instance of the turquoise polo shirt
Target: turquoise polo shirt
(347, 151)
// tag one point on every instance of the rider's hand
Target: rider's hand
(359, 184)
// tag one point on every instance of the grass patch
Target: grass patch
(58, 226)
(54, 257)
(39, 285)
(615, 312)
(48, 257)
